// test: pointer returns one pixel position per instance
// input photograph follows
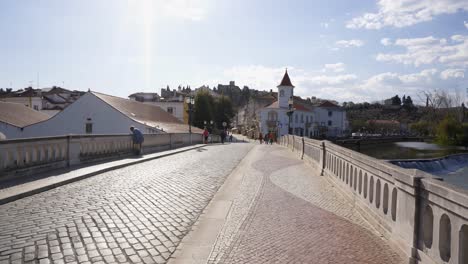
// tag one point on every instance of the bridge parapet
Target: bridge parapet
(22, 157)
(424, 217)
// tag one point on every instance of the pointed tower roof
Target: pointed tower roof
(286, 81)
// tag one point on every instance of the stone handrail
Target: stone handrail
(22, 156)
(426, 219)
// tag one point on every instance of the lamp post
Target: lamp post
(190, 102)
(290, 112)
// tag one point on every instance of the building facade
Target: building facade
(293, 115)
(96, 113)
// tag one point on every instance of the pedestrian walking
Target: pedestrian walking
(270, 136)
(205, 135)
(138, 139)
(260, 137)
(230, 137)
(223, 136)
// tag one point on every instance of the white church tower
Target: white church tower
(285, 91)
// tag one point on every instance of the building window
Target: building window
(89, 128)
(295, 118)
(281, 93)
(302, 118)
(307, 119)
(330, 113)
(329, 122)
(170, 110)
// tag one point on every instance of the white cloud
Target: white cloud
(347, 87)
(466, 24)
(452, 73)
(334, 67)
(429, 50)
(405, 13)
(349, 43)
(386, 42)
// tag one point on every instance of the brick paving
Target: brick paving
(286, 213)
(137, 214)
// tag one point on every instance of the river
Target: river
(453, 168)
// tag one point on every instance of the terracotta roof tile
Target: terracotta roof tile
(147, 114)
(328, 104)
(286, 81)
(20, 115)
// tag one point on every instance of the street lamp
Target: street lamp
(190, 102)
(290, 112)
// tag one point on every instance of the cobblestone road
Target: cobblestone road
(286, 213)
(136, 214)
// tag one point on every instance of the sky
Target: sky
(344, 50)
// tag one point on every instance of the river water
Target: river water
(453, 169)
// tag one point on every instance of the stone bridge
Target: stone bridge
(302, 201)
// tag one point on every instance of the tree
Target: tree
(396, 100)
(448, 131)
(224, 111)
(203, 109)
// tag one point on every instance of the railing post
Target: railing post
(323, 161)
(170, 140)
(303, 148)
(293, 142)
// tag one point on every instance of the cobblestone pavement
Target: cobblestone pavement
(287, 214)
(137, 214)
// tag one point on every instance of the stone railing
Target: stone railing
(23, 156)
(425, 218)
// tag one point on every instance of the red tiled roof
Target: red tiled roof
(328, 104)
(147, 114)
(299, 107)
(19, 115)
(286, 81)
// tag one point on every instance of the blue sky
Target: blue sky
(342, 50)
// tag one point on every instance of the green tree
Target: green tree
(204, 104)
(224, 111)
(449, 131)
(422, 128)
(396, 100)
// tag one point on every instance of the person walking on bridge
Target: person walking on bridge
(205, 135)
(138, 139)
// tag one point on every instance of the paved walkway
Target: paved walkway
(136, 214)
(282, 211)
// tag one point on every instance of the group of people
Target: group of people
(138, 138)
(268, 138)
(223, 135)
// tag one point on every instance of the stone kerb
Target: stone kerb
(443, 223)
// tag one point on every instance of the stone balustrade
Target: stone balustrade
(425, 218)
(20, 157)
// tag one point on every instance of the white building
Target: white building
(174, 105)
(96, 113)
(46, 100)
(15, 116)
(326, 119)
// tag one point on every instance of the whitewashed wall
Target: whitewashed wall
(338, 119)
(178, 108)
(73, 119)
